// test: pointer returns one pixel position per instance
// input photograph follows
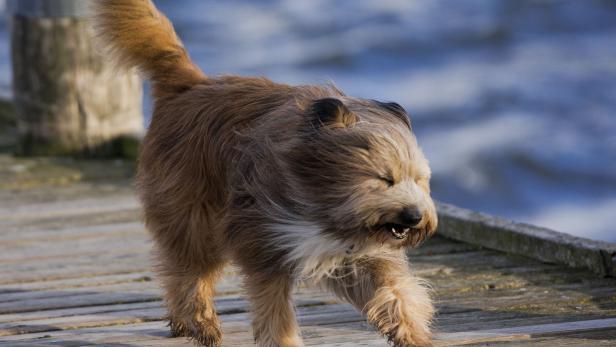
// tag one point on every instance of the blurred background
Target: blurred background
(513, 101)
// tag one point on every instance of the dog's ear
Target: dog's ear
(396, 110)
(331, 112)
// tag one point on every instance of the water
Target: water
(513, 101)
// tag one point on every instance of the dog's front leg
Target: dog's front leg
(393, 300)
(273, 321)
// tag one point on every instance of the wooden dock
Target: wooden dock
(75, 270)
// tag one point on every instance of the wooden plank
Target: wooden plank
(19, 213)
(132, 263)
(527, 240)
(328, 335)
(466, 337)
(79, 301)
(465, 320)
(90, 281)
(329, 313)
(438, 244)
(535, 302)
(19, 298)
(121, 295)
(79, 282)
(16, 291)
(151, 330)
(68, 232)
(528, 296)
(230, 284)
(236, 328)
(232, 320)
(352, 311)
(98, 316)
(25, 317)
(594, 338)
(87, 246)
(110, 217)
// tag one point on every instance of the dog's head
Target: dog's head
(362, 174)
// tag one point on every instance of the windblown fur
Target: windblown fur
(137, 35)
(288, 182)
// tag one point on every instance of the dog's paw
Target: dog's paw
(408, 338)
(206, 333)
(177, 329)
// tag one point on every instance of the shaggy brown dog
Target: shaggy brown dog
(289, 182)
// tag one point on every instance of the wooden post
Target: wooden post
(68, 99)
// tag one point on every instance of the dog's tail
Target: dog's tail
(138, 35)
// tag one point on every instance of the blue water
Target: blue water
(513, 101)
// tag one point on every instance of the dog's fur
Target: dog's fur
(289, 182)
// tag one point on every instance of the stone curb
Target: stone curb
(526, 240)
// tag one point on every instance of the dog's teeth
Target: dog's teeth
(406, 230)
(399, 234)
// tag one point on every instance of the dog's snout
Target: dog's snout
(410, 217)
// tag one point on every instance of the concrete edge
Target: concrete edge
(527, 240)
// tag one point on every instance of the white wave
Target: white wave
(595, 220)
(529, 70)
(452, 151)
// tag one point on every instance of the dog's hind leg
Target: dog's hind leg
(190, 264)
(189, 295)
(273, 321)
(394, 301)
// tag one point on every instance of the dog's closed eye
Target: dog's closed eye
(388, 180)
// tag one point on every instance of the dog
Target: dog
(290, 183)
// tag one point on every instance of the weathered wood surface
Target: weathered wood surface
(68, 99)
(75, 269)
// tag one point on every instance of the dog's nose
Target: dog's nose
(410, 217)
